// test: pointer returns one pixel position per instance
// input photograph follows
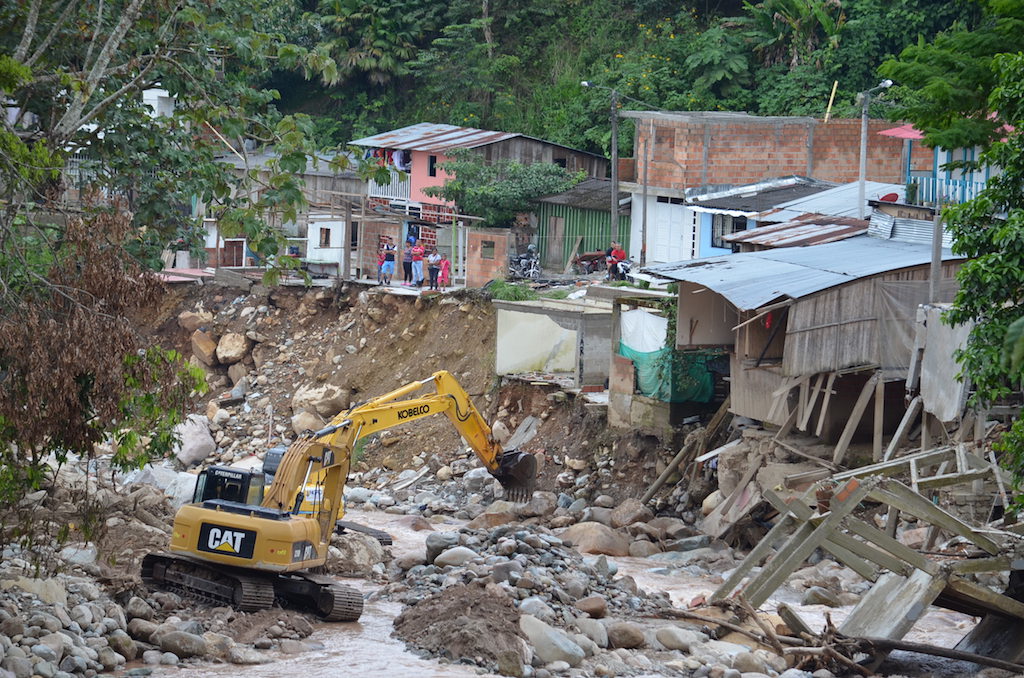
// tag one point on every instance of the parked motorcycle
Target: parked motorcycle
(622, 270)
(525, 265)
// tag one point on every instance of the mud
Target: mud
(474, 621)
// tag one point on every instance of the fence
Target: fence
(945, 191)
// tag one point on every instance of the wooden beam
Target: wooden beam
(855, 417)
(794, 621)
(988, 597)
(805, 417)
(572, 255)
(900, 436)
(824, 403)
(764, 548)
(876, 449)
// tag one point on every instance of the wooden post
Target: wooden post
(346, 261)
(876, 450)
(903, 429)
(824, 403)
(855, 417)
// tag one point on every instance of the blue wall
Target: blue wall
(706, 250)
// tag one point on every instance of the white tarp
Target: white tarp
(942, 392)
(643, 331)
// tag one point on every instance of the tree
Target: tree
(74, 371)
(498, 192)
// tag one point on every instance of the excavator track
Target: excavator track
(340, 603)
(380, 535)
(199, 581)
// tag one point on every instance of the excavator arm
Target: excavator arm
(327, 453)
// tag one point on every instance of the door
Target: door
(555, 243)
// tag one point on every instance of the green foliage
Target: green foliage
(498, 191)
(794, 32)
(556, 294)
(503, 290)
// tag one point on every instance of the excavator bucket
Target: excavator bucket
(517, 473)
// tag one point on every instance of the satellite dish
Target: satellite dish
(889, 197)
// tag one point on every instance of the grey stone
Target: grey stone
(18, 666)
(45, 652)
(688, 543)
(142, 629)
(289, 646)
(169, 659)
(190, 626)
(458, 555)
(123, 644)
(817, 595)
(437, 542)
(246, 656)
(550, 644)
(796, 673)
(151, 656)
(538, 608)
(73, 664)
(594, 630)
(45, 669)
(748, 662)
(183, 644)
(675, 638)
(137, 608)
(500, 571)
(109, 659)
(79, 555)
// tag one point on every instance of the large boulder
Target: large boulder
(204, 348)
(233, 348)
(591, 537)
(629, 512)
(326, 400)
(183, 644)
(458, 555)
(438, 542)
(541, 504)
(358, 553)
(550, 644)
(182, 489)
(625, 634)
(196, 443)
(306, 421)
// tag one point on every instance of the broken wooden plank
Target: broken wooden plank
(810, 457)
(900, 436)
(900, 465)
(987, 598)
(898, 549)
(805, 417)
(798, 479)
(897, 494)
(785, 522)
(797, 626)
(787, 426)
(975, 565)
(855, 417)
(824, 403)
(876, 445)
(891, 607)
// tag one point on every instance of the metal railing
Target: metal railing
(931, 191)
(398, 189)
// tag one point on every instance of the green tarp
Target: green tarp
(686, 378)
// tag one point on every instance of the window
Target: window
(722, 225)
(432, 166)
(325, 237)
(487, 249)
(561, 162)
(671, 201)
(354, 235)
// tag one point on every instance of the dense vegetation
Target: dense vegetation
(517, 65)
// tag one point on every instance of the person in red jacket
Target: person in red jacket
(613, 255)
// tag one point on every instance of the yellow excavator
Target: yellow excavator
(240, 546)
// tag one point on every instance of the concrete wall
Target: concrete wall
(595, 347)
(334, 251)
(479, 271)
(534, 342)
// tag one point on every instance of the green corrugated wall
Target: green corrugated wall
(593, 225)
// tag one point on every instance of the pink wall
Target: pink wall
(420, 179)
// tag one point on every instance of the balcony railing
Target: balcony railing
(937, 192)
(398, 189)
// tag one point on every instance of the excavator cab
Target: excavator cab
(229, 484)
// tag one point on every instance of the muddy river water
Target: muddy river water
(366, 649)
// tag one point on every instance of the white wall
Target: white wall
(335, 250)
(672, 231)
(533, 342)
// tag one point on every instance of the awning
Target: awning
(907, 131)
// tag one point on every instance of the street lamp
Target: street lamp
(615, 154)
(865, 101)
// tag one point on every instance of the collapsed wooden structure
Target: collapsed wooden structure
(905, 581)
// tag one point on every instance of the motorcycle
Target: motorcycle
(524, 266)
(622, 271)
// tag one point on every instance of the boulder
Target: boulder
(688, 543)
(711, 502)
(591, 537)
(437, 542)
(85, 554)
(306, 421)
(218, 646)
(629, 512)
(196, 443)
(456, 556)
(232, 348)
(672, 528)
(48, 590)
(237, 372)
(246, 656)
(816, 595)
(190, 321)
(326, 400)
(594, 630)
(204, 348)
(183, 644)
(359, 553)
(642, 549)
(137, 608)
(141, 629)
(597, 514)
(550, 644)
(595, 606)
(122, 644)
(182, 489)
(541, 504)
(675, 638)
(625, 634)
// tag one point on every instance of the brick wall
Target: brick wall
(696, 150)
(373, 234)
(480, 270)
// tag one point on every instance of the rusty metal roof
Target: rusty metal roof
(434, 138)
(808, 229)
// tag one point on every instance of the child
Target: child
(446, 270)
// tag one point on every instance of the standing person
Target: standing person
(446, 271)
(407, 261)
(387, 267)
(434, 267)
(417, 264)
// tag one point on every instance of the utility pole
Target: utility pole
(615, 164)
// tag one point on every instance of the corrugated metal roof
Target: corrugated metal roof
(841, 201)
(750, 280)
(592, 194)
(809, 229)
(908, 230)
(434, 138)
(754, 200)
